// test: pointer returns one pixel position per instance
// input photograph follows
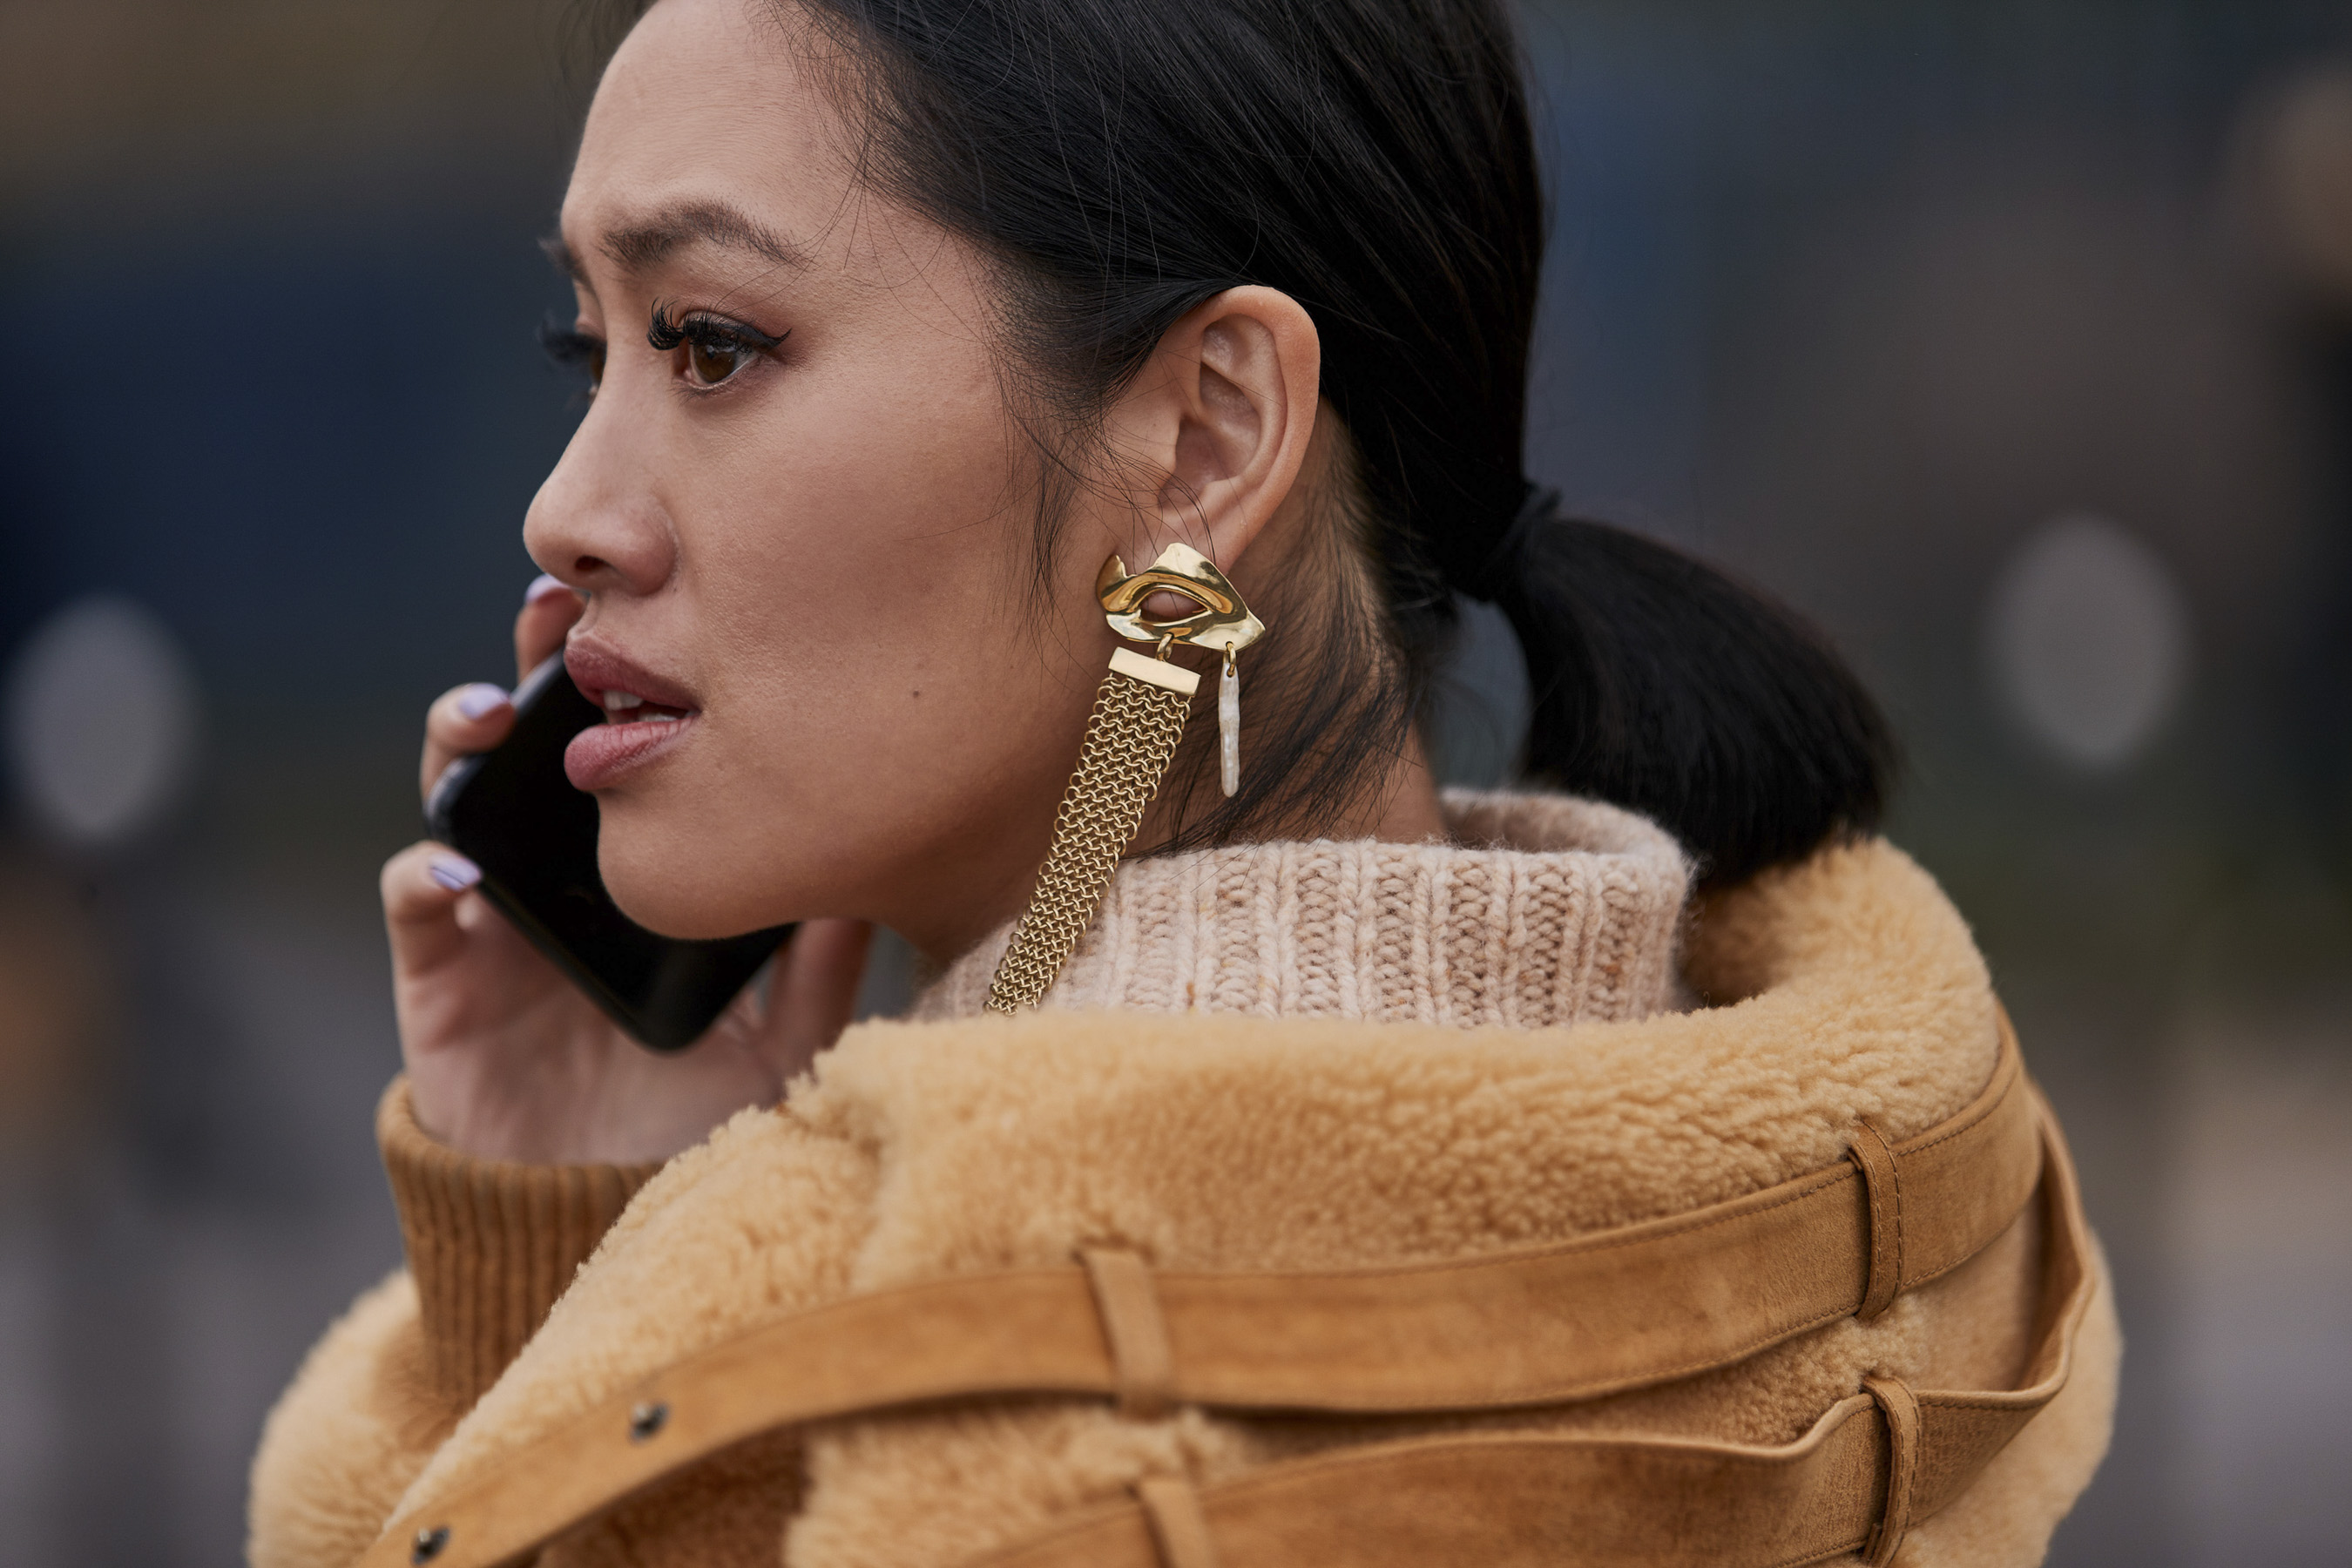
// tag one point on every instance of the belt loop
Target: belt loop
(1138, 1334)
(1901, 1408)
(1884, 1187)
(1179, 1526)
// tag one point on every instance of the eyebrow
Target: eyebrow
(638, 246)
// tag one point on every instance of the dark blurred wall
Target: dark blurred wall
(1923, 316)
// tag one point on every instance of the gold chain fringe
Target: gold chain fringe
(1130, 736)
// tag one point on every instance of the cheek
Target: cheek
(878, 535)
(854, 570)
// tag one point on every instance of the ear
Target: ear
(1215, 427)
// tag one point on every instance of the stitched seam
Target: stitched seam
(1977, 1402)
(1247, 1483)
(1278, 1472)
(1910, 1285)
(1973, 1122)
(1554, 1393)
(1901, 1284)
(2021, 1203)
(1880, 1191)
(1823, 1180)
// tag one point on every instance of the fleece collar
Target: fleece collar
(1842, 988)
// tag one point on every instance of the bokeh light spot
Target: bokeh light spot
(102, 722)
(2088, 639)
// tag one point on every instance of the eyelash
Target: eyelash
(711, 335)
(574, 350)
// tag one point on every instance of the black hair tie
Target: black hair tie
(1500, 570)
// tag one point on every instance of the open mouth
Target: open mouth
(628, 707)
(647, 716)
(635, 730)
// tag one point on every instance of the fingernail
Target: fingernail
(454, 872)
(544, 586)
(480, 699)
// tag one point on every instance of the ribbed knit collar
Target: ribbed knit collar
(1542, 909)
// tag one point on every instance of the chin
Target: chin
(674, 885)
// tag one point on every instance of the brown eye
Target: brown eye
(715, 349)
(711, 360)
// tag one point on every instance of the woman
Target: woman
(920, 334)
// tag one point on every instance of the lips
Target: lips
(645, 715)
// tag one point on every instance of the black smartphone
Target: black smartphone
(513, 813)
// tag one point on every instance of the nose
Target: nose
(598, 524)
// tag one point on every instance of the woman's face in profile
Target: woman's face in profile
(800, 512)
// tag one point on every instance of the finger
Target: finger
(813, 992)
(423, 885)
(549, 608)
(462, 721)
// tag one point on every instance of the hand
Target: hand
(507, 1059)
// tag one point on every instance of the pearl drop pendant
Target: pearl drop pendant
(1229, 727)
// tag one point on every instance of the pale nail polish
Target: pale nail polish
(454, 872)
(481, 699)
(543, 587)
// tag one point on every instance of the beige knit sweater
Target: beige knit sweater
(1321, 1054)
(1544, 910)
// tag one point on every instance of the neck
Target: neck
(1399, 807)
(1406, 809)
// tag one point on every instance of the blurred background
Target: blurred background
(2011, 341)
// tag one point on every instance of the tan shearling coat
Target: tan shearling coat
(1841, 988)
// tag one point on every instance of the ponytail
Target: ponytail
(1662, 686)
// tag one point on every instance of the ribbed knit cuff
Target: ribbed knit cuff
(491, 1244)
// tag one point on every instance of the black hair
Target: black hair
(1124, 161)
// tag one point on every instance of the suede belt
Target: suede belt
(1620, 1310)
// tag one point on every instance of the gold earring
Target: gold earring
(1138, 716)
(1223, 623)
